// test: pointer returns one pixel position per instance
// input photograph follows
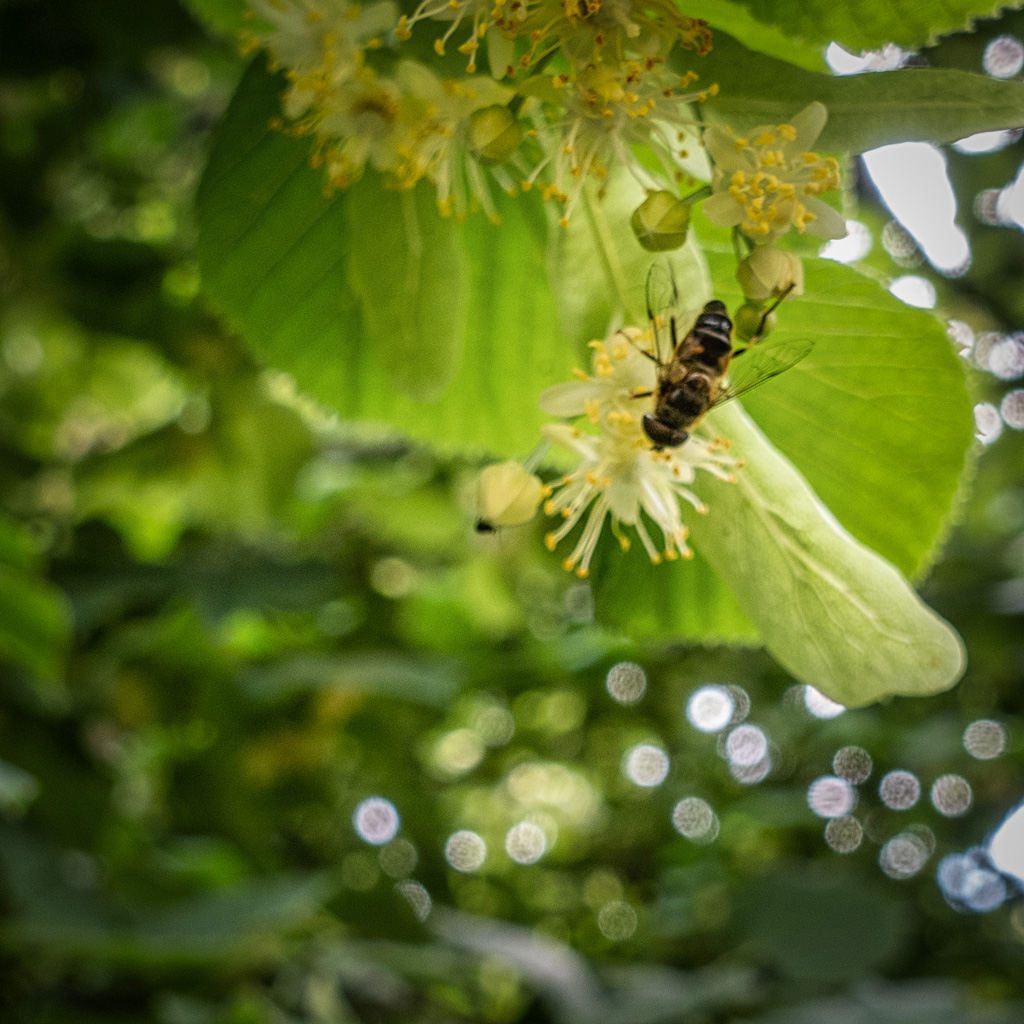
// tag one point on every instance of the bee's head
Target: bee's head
(662, 434)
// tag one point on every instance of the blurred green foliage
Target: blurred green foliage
(226, 619)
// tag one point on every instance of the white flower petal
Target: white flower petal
(721, 147)
(808, 124)
(827, 222)
(723, 210)
(568, 399)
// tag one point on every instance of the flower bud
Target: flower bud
(747, 321)
(769, 272)
(660, 222)
(506, 495)
(494, 135)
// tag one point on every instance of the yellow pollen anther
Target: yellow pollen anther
(580, 374)
(765, 139)
(568, 564)
(550, 541)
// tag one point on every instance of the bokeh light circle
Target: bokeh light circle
(903, 856)
(853, 764)
(376, 821)
(951, 795)
(710, 709)
(1003, 57)
(646, 765)
(819, 705)
(984, 739)
(984, 890)
(1011, 408)
(844, 834)
(526, 843)
(626, 682)
(465, 850)
(988, 424)
(899, 790)
(1006, 358)
(694, 818)
(417, 897)
(617, 920)
(831, 797)
(746, 746)
(398, 858)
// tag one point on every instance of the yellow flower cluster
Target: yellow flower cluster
(769, 181)
(574, 87)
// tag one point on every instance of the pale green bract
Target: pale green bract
(831, 611)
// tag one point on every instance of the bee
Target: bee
(699, 373)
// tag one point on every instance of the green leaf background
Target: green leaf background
(877, 418)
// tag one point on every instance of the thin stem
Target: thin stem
(696, 197)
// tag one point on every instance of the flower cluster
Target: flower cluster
(575, 86)
(620, 477)
(769, 181)
(407, 125)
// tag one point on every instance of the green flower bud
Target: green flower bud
(494, 135)
(661, 221)
(747, 320)
(506, 495)
(769, 272)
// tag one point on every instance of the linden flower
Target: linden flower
(359, 125)
(320, 43)
(607, 110)
(581, 28)
(620, 476)
(769, 181)
(439, 140)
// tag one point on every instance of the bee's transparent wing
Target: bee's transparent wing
(662, 308)
(761, 362)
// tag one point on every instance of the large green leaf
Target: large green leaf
(279, 260)
(870, 24)
(926, 104)
(877, 418)
(409, 275)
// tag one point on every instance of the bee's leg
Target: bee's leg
(767, 313)
(641, 394)
(650, 355)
